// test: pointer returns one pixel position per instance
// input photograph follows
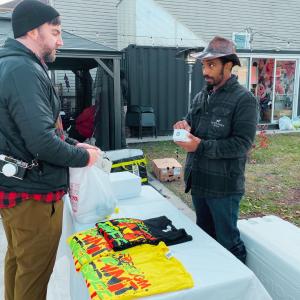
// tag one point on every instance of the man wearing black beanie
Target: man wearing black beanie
(34, 154)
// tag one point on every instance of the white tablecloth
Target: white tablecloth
(216, 272)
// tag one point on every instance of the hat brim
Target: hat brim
(209, 55)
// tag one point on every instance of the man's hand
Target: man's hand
(191, 145)
(94, 152)
(94, 155)
(86, 146)
(182, 125)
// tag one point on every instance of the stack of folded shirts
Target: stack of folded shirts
(126, 258)
(123, 233)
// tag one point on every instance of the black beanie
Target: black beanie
(30, 14)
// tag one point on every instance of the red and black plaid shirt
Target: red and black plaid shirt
(11, 199)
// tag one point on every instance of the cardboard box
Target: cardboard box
(167, 169)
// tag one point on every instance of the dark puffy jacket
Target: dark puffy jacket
(29, 109)
(226, 123)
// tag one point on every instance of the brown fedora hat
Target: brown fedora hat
(219, 47)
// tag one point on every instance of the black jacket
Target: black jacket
(29, 109)
(226, 123)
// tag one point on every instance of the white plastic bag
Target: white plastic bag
(91, 194)
(285, 123)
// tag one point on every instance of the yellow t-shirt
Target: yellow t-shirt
(86, 246)
(136, 272)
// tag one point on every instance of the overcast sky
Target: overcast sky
(4, 1)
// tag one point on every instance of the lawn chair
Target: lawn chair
(141, 116)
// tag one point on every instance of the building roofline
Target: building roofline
(268, 51)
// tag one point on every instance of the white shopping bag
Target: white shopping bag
(91, 194)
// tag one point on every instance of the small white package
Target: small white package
(180, 135)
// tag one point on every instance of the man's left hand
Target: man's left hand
(191, 145)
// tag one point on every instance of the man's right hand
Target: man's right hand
(182, 125)
(94, 155)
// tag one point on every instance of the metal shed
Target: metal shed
(79, 53)
(157, 78)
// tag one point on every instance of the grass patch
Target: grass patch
(272, 177)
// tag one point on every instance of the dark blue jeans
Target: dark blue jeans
(218, 217)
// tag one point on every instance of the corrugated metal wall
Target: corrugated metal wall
(157, 78)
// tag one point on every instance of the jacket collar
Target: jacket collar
(230, 83)
(16, 45)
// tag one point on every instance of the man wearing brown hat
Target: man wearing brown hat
(34, 155)
(221, 124)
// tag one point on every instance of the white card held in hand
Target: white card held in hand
(180, 135)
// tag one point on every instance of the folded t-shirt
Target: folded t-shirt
(124, 233)
(163, 229)
(142, 271)
(88, 245)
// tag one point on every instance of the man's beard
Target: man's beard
(49, 56)
(214, 83)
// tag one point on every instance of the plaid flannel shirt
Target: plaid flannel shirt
(11, 199)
